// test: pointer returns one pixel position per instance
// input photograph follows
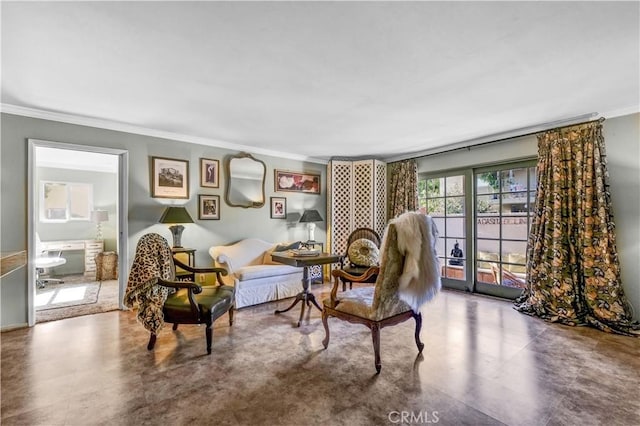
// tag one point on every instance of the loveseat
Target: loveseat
(256, 277)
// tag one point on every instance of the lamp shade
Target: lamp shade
(98, 216)
(177, 214)
(311, 216)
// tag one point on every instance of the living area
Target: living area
(483, 362)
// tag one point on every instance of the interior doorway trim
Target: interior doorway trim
(32, 193)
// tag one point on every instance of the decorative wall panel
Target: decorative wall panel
(357, 197)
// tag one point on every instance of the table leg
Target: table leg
(305, 296)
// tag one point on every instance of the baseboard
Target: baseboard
(13, 327)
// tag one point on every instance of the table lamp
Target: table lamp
(176, 215)
(310, 217)
(99, 216)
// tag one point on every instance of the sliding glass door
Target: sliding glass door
(483, 217)
(504, 198)
(444, 197)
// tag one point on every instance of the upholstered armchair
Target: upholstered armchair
(362, 253)
(159, 298)
(407, 277)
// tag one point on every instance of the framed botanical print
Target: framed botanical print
(278, 208)
(169, 178)
(209, 173)
(209, 207)
(308, 183)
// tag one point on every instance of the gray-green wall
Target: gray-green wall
(622, 136)
(144, 211)
(622, 141)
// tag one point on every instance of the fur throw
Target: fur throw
(420, 279)
(152, 261)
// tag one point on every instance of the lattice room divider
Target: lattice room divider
(357, 197)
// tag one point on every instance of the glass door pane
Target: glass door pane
(444, 199)
(503, 201)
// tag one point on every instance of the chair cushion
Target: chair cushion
(357, 302)
(214, 301)
(264, 271)
(363, 252)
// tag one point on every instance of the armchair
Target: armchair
(407, 277)
(152, 288)
(360, 255)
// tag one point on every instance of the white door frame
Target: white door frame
(32, 217)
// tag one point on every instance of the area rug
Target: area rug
(73, 291)
(76, 297)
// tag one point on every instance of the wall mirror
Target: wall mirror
(245, 181)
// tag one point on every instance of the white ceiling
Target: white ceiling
(321, 79)
(75, 160)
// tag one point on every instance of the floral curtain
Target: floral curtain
(573, 272)
(403, 190)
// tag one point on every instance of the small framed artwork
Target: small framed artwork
(209, 173)
(209, 207)
(169, 178)
(278, 208)
(297, 182)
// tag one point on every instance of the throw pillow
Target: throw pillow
(364, 252)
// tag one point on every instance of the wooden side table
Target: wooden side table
(306, 262)
(182, 254)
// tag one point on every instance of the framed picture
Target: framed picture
(209, 207)
(169, 178)
(278, 208)
(297, 182)
(209, 173)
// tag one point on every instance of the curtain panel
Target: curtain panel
(573, 271)
(403, 190)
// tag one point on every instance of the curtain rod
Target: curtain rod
(501, 137)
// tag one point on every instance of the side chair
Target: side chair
(362, 241)
(404, 281)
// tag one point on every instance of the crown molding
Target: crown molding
(514, 133)
(620, 112)
(139, 130)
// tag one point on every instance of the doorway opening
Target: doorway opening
(76, 229)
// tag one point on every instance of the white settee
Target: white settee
(256, 277)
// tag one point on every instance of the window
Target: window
(444, 199)
(65, 201)
(502, 199)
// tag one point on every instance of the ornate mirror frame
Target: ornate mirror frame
(245, 181)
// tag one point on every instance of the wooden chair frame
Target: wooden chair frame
(196, 316)
(373, 325)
